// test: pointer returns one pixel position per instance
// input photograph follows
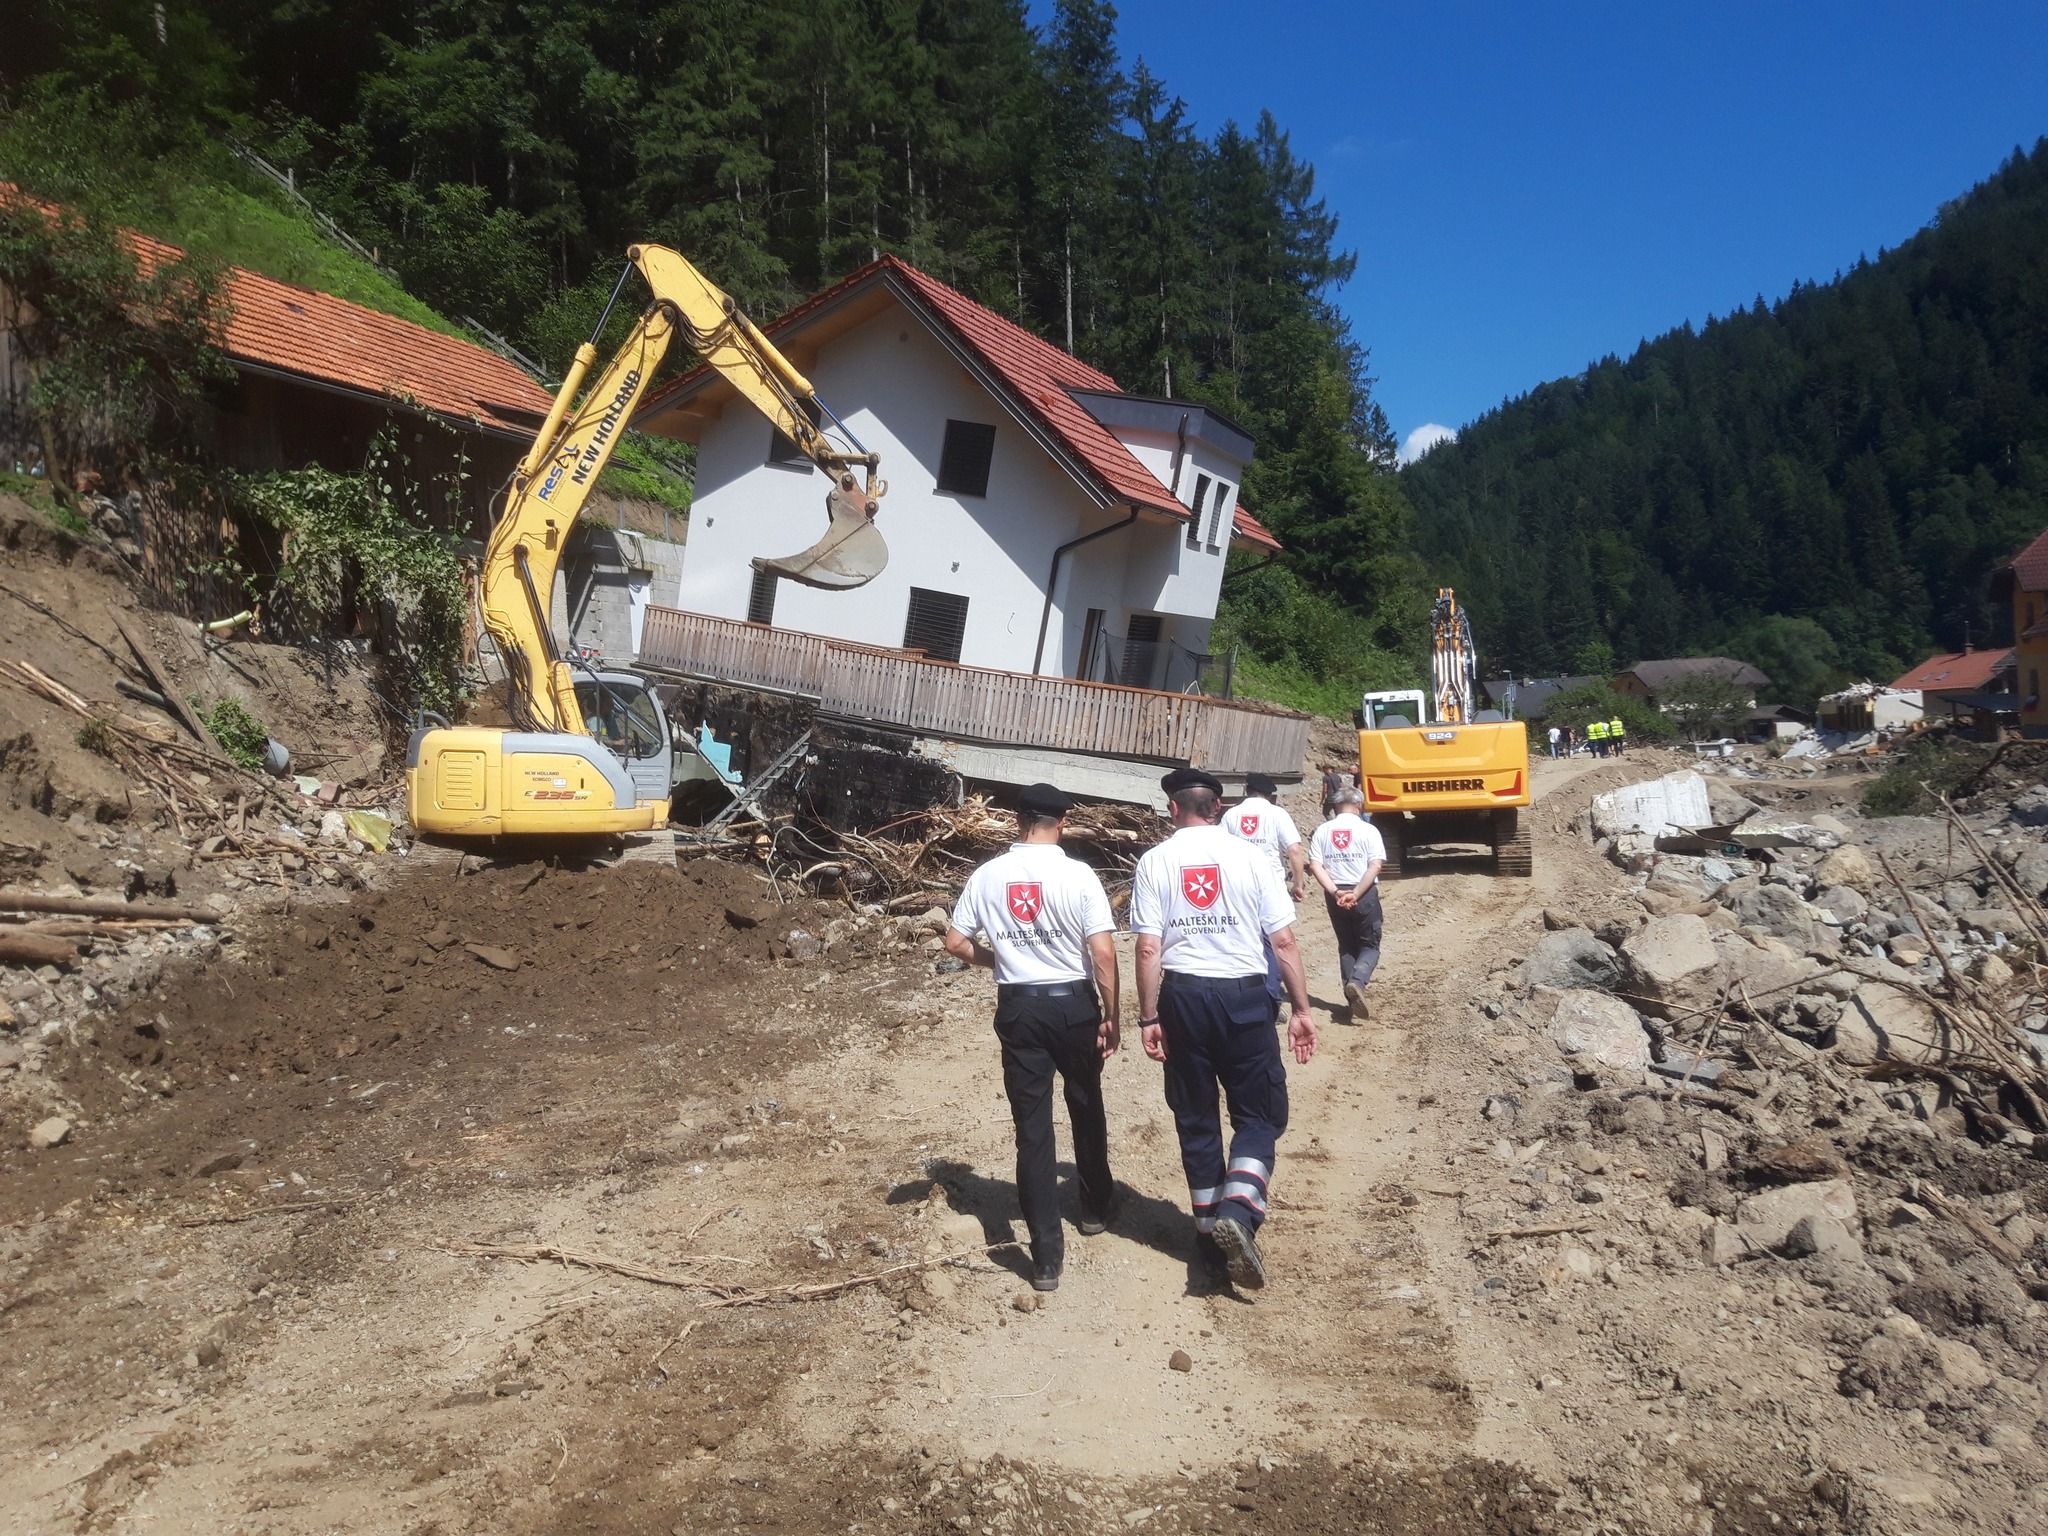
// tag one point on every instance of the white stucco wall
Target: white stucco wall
(896, 387)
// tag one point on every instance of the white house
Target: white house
(1038, 518)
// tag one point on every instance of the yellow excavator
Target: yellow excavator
(589, 751)
(1454, 777)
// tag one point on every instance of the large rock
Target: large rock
(1769, 975)
(1823, 1215)
(1842, 905)
(2030, 870)
(2030, 807)
(1569, 958)
(1671, 965)
(1851, 866)
(1881, 1022)
(1602, 1027)
(1774, 908)
(1994, 920)
(1632, 818)
(1729, 809)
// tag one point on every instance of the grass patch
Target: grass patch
(240, 734)
(1928, 763)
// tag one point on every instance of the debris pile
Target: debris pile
(925, 859)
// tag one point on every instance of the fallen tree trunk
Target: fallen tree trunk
(36, 949)
(104, 906)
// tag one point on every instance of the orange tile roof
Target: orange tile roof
(1037, 374)
(2030, 566)
(1959, 672)
(310, 335)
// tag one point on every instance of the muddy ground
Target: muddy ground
(237, 1299)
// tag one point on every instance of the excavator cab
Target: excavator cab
(624, 717)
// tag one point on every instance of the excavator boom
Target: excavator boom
(552, 773)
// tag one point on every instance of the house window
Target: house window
(761, 601)
(782, 449)
(1195, 520)
(936, 623)
(1216, 514)
(964, 460)
(1141, 650)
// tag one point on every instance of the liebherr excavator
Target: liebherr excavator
(1451, 778)
(589, 754)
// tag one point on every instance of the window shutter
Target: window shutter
(964, 460)
(1216, 514)
(1141, 650)
(761, 601)
(936, 623)
(1195, 519)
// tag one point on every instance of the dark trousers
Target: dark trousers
(1358, 934)
(1041, 1036)
(1221, 1036)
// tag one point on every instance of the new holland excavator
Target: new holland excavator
(1452, 778)
(589, 751)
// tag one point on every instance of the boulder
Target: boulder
(1774, 908)
(53, 1132)
(1568, 958)
(1822, 1214)
(1729, 809)
(2030, 870)
(1604, 1028)
(1769, 977)
(1883, 1023)
(1848, 865)
(1671, 963)
(1992, 971)
(1841, 905)
(2030, 807)
(1994, 920)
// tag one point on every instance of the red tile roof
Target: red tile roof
(2030, 566)
(1962, 672)
(315, 336)
(1036, 373)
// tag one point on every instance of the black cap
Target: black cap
(1043, 800)
(1261, 784)
(1190, 778)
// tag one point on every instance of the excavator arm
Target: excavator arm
(1453, 661)
(555, 479)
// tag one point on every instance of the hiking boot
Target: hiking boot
(1097, 1224)
(1045, 1277)
(1214, 1262)
(1354, 995)
(1240, 1254)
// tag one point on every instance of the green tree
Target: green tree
(1705, 707)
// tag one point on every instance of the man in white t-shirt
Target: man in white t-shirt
(1260, 821)
(1555, 734)
(1203, 905)
(1346, 856)
(1047, 934)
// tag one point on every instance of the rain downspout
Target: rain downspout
(1052, 580)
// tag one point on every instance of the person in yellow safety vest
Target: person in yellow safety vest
(1596, 733)
(1617, 736)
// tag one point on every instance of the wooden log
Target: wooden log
(34, 949)
(177, 706)
(104, 906)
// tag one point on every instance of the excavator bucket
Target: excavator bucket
(851, 554)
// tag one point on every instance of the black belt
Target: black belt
(1045, 989)
(1218, 983)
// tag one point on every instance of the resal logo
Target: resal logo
(1250, 824)
(1341, 836)
(1201, 884)
(1027, 900)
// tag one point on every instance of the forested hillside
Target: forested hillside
(1820, 485)
(499, 158)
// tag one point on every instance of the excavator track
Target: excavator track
(1513, 847)
(1397, 847)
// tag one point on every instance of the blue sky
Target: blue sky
(1532, 186)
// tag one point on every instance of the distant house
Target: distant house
(1969, 685)
(1866, 707)
(2024, 584)
(1529, 696)
(316, 380)
(1651, 680)
(1039, 519)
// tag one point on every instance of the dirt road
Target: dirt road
(245, 1297)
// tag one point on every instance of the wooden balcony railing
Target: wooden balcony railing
(903, 688)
